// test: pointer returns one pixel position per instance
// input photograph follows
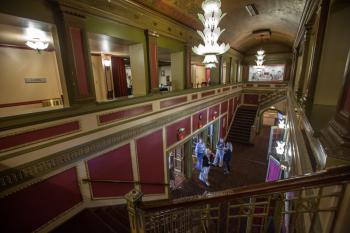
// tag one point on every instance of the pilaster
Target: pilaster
(303, 73)
(152, 50)
(75, 53)
(188, 53)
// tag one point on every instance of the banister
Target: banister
(332, 176)
(122, 182)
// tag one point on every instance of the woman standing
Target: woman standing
(220, 146)
(227, 157)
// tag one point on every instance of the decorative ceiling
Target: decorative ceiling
(280, 16)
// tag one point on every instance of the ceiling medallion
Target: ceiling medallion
(211, 33)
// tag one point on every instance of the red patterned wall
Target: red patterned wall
(251, 99)
(196, 122)
(34, 206)
(113, 165)
(150, 157)
(7, 142)
(172, 102)
(130, 112)
(172, 130)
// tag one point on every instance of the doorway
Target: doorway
(177, 167)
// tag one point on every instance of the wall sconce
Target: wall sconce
(180, 134)
(200, 117)
(214, 115)
(107, 63)
(36, 39)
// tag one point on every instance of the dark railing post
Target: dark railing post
(135, 216)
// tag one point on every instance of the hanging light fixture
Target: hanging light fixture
(36, 39)
(211, 33)
(260, 54)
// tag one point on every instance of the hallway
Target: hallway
(248, 166)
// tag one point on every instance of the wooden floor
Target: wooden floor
(248, 166)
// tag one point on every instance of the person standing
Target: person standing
(199, 151)
(227, 157)
(203, 175)
(220, 146)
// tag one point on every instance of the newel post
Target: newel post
(133, 198)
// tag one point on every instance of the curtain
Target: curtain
(119, 77)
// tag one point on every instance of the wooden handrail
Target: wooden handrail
(332, 176)
(122, 182)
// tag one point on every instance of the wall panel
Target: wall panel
(34, 206)
(150, 157)
(113, 165)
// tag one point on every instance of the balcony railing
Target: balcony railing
(302, 204)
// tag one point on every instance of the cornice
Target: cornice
(13, 177)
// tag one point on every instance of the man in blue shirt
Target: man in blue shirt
(199, 151)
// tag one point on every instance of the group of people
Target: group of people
(205, 158)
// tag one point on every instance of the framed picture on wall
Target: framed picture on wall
(267, 74)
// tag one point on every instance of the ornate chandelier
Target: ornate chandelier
(260, 59)
(211, 33)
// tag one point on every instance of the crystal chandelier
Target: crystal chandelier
(211, 33)
(260, 59)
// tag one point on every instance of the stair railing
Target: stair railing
(299, 204)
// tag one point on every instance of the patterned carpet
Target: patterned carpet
(248, 166)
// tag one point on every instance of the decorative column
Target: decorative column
(188, 54)
(151, 38)
(75, 55)
(307, 37)
(336, 137)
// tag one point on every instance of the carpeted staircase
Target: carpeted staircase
(240, 129)
(107, 219)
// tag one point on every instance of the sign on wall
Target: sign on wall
(35, 80)
(268, 73)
